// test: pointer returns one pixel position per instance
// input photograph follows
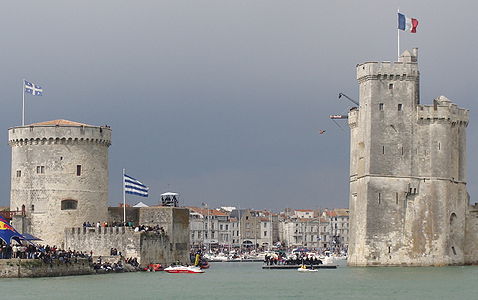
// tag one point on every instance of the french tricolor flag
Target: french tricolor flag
(407, 24)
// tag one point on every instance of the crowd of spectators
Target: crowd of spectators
(46, 253)
(133, 261)
(159, 230)
(106, 224)
(141, 228)
(100, 266)
(49, 254)
(298, 259)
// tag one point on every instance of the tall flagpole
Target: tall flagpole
(398, 38)
(23, 102)
(124, 200)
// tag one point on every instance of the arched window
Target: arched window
(452, 220)
(69, 204)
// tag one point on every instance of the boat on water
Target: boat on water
(303, 268)
(153, 268)
(184, 269)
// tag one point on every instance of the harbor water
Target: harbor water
(249, 281)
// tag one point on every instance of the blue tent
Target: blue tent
(7, 232)
(29, 237)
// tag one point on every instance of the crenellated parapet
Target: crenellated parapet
(443, 110)
(63, 141)
(59, 134)
(400, 71)
(406, 69)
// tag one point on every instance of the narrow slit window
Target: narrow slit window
(402, 150)
(396, 198)
(379, 198)
(78, 170)
(380, 106)
(390, 85)
(383, 149)
(439, 146)
(400, 107)
(19, 173)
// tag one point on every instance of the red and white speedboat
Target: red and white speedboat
(183, 269)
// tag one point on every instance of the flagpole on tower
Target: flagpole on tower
(124, 200)
(23, 102)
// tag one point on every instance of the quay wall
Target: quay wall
(147, 247)
(18, 268)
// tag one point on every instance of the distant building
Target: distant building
(338, 228)
(304, 213)
(209, 227)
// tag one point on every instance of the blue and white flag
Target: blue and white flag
(33, 89)
(134, 187)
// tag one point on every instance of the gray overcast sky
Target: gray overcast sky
(223, 101)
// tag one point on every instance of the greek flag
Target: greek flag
(134, 187)
(33, 89)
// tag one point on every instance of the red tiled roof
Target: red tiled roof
(59, 122)
(342, 212)
(304, 210)
(206, 211)
(331, 213)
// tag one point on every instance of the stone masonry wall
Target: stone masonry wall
(15, 268)
(101, 240)
(148, 247)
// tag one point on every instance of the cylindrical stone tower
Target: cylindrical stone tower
(59, 176)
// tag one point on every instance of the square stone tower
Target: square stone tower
(408, 196)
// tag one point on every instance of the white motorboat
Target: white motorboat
(304, 269)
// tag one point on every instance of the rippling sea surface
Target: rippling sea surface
(249, 281)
